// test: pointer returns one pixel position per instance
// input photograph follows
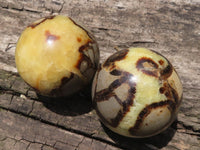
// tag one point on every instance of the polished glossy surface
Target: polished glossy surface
(56, 56)
(137, 92)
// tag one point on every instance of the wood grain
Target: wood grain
(29, 121)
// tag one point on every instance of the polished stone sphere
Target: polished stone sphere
(137, 93)
(56, 56)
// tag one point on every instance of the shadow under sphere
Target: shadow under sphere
(74, 105)
(150, 143)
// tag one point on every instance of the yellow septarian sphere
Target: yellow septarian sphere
(137, 92)
(56, 56)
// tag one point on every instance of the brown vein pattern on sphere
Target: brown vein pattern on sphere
(147, 66)
(106, 94)
(136, 92)
(147, 110)
(115, 57)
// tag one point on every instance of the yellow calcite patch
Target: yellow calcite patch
(147, 86)
(48, 50)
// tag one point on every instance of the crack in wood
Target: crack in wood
(61, 8)
(32, 106)
(31, 10)
(28, 146)
(190, 128)
(80, 143)
(21, 9)
(34, 142)
(10, 45)
(64, 128)
(190, 133)
(14, 93)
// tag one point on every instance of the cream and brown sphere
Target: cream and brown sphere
(56, 56)
(137, 92)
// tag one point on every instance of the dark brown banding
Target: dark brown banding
(170, 92)
(64, 81)
(165, 73)
(116, 72)
(91, 40)
(162, 90)
(161, 62)
(84, 57)
(85, 46)
(43, 20)
(160, 104)
(126, 107)
(103, 95)
(115, 121)
(51, 37)
(118, 100)
(144, 113)
(167, 94)
(115, 57)
(147, 66)
(113, 66)
(107, 93)
(147, 110)
(115, 84)
(175, 95)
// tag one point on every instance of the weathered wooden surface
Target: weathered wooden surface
(28, 121)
